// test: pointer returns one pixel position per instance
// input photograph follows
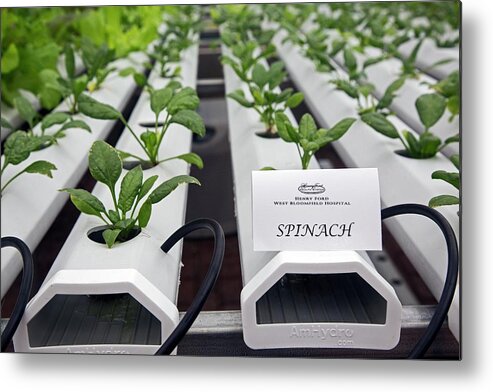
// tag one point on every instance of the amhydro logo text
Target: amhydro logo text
(343, 335)
(311, 189)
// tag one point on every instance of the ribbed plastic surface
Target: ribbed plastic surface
(95, 319)
(308, 298)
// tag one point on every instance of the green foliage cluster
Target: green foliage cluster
(132, 204)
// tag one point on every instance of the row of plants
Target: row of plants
(76, 89)
(133, 199)
(250, 48)
(444, 96)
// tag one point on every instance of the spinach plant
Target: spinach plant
(453, 178)
(178, 106)
(96, 60)
(426, 145)
(17, 148)
(71, 86)
(129, 211)
(449, 89)
(267, 99)
(43, 138)
(307, 137)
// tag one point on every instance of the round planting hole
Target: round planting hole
(129, 165)
(405, 154)
(210, 132)
(267, 135)
(151, 124)
(96, 234)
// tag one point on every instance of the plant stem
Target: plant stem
(113, 196)
(135, 136)
(12, 179)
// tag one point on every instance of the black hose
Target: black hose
(210, 279)
(24, 291)
(443, 306)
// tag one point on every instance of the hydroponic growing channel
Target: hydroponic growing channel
(126, 130)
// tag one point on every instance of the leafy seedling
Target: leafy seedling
(18, 147)
(72, 86)
(42, 139)
(267, 99)
(426, 145)
(307, 137)
(131, 208)
(96, 60)
(176, 103)
(453, 178)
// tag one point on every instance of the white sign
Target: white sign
(330, 209)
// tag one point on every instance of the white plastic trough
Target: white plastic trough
(31, 203)
(384, 73)
(86, 274)
(402, 180)
(265, 274)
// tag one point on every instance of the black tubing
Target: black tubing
(24, 291)
(210, 279)
(443, 306)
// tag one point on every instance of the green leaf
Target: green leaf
(25, 109)
(267, 168)
(307, 126)
(191, 120)
(450, 86)
(260, 76)
(80, 84)
(389, 94)
(41, 167)
(294, 100)
(453, 105)
(146, 187)
(145, 214)
(160, 99)
(76, 124)
(192, 158)
(452, 139)
(350, 60)
(239, 96)
(413, 146)
(452, 178)
(130, 187)
(140, 79)
(85, 201)
(10, 59)
(276, 74)
(127, 71)
(338, 130)
(380, 124)
(105, 163)
(113, 215)
(95, 109)
(455, 160)
(184, 99)
(443, 200)
(430, 108)
(169, 186)
(429, 144)
(17, 147)
(69, 61)
(150, 139)
(347, 87)
(110, 236)
(282, 123)
(54, 118)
